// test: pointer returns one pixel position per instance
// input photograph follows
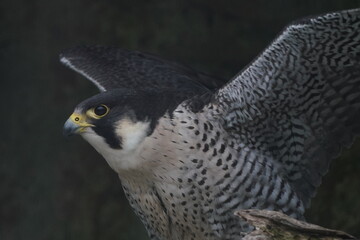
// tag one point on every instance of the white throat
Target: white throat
(132, 135)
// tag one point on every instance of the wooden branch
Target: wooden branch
(275, 225)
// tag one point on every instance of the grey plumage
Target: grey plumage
(264, 140)
(110, 67)
(311, 87)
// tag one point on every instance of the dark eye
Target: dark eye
(101, 110)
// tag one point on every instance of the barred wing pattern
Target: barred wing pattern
(299, 101)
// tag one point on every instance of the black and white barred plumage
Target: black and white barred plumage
(190, 150)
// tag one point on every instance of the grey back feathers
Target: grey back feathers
(263, 140)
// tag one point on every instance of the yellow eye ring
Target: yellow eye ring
(98, 111)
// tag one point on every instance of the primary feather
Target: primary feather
(110, 67)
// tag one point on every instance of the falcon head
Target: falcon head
(114, 121)
(137, 89)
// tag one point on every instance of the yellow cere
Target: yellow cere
(80, 119)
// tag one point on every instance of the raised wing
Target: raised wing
(109, 68)
(299, 101)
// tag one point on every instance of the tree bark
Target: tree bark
(275, 225)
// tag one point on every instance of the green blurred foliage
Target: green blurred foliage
(57, 188)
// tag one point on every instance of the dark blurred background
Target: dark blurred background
(57, 188)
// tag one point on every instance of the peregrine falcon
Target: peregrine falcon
(191, 149)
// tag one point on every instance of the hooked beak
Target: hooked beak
(75, 124)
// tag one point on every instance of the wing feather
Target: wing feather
(110, 67)
(299, 101)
